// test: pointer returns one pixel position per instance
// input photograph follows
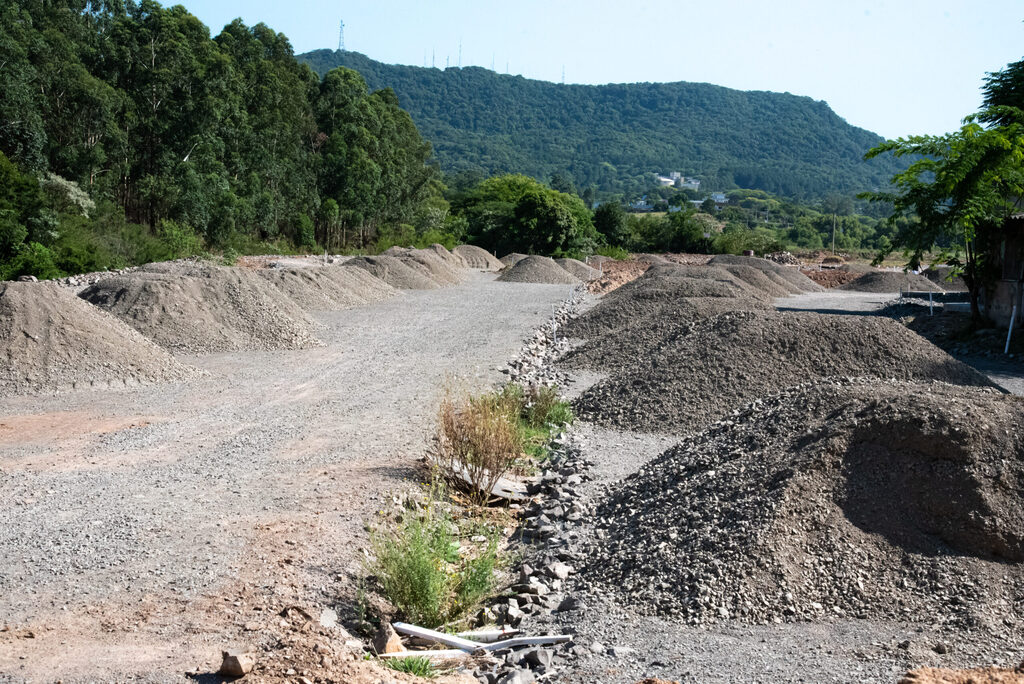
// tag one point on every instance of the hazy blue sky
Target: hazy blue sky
(896, 67)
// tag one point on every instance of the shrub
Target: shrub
(32, 259)
(422, 572)
(617, 253)
(478, 440)
(419, 666)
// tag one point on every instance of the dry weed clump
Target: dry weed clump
(478, 440)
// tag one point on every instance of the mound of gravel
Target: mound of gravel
(578, 269)
(890, 281)
(537, 269)
(762, 281)
(729, 360)
(478, 258)
(395, 271)
(512, 259)
(430, 264)
(787, 276)
(940, 276)
(328, 288)
(50, 340)
(651, 258)
(858, 268)
(216, 309)
(448, 256)
(838, 498)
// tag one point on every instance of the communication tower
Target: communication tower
(341, 37)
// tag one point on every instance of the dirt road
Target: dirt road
(138, 527)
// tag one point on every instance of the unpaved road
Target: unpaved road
(141, 529)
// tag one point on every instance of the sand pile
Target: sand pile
(395, 272)
(50, 340)
(215, 309)
(328, 288)
(448, 256)
(537, 269)
(579, 269)
(890, 281)
(477, 258)
(729, 360)
(787, 276)
(430, 264)
(835, 499)
(513, 258)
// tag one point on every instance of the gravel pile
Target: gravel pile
(838, 498)
(328, 288)
(478, 258)
(432, 265)
(448, 256)
(513, 258)
(50, 340)
(727, 361)
(215, 309)
(537, 269)
(395, 272)
(762, 280)
(940, 276)
(777, 272)
(579, 269)
(890, 281)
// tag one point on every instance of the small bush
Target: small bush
(617, 253)
(419, 666)
(421, 571)
(33, 259)
(478, 438)
(544, 407)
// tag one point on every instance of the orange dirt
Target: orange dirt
(984, 675)
(830, 277)
(617, 274)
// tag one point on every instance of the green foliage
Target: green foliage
(419, 666)
(515, 213)
(614, 137)
(31, 259)
(957, 194)
(204, 142)
(610, 221)
(617, 253)
(422, 573)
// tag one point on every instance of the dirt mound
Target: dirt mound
(50, 340)
(478, 258)
(448, 256)
(830, 277)
(940, 275)
(726, 361)
(659, 289)
(762, 281)
(578, 269)
(328, 288)
(616, 274)
(218, 309)
(430, 264)
(537, 269)
(513, 258)
(395, 272)
(890, 281)
(858, 268)
(651, 258)
(620, 337)
(777, 272)
(839, 498)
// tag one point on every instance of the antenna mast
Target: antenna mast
(341, 37)
(563, 74)
(460, 53)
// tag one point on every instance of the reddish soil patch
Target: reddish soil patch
(616, 274)
(984, 675)
(830, 277)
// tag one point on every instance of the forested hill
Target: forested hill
(612, 135)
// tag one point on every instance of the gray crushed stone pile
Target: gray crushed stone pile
(538, 269)
(579, 269)
(51, 341)
(722, 363)
(777, 272)
(891, 281)
(395, 271)
(841, 498)
(204, 308)
(478, 258)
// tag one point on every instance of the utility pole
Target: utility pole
(833, 234)
(341, 37)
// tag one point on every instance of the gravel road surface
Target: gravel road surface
(139, 526)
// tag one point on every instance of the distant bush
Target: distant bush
(617, 253)
(33, 259)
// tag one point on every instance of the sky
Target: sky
(895, 67)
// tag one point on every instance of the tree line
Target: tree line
(128, 133)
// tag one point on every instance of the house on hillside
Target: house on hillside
(1009, 289)
(665, 181)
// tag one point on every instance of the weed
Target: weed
(415, 665)
(423, 573)
(478, 440)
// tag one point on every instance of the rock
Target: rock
(518, 677)
(941, 648)
(387, 640)
(236, 664)
(27, 279)
(597, 647)
(328, 618)
(571, 603)
(621, 651)
(558, 570)
(540, 657)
